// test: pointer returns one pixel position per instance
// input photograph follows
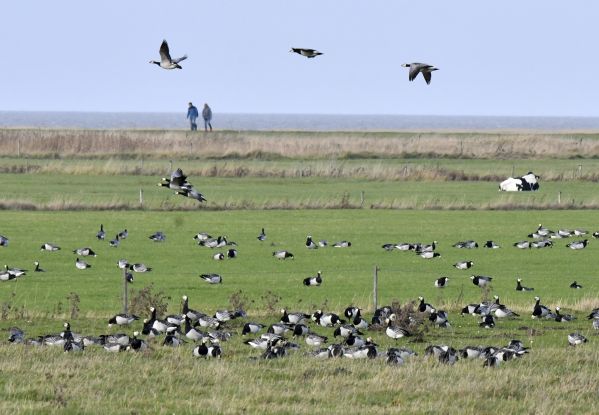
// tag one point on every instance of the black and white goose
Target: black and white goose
(520, 287)
(73, 346)
(491, 245)
(463, 264)
(424, 307)
(137, 345)
(466, 244)
(80, 264)
(166, 62)
(172, 340)
(545, 243)
(157, 237)
(213, 351)
(100, 235)
(310, 244)
(49, 247)
(177, 181)
(359, 323)
(441, 282)
(575, 285)
(503, 312)
(202, 236)
(190, 332)
(279, 328)
(262, 236)
(6, 276)
(313, 281)
(308, 53)
(423, 68)
(578, 244)
(17, 272)
(346, 330)
(326, 319)
(342, 244)
(251, 328)
(439, 318)
(593, 314)
(122, 319)
(563, 318)
(352, 312)
(114, 243)
(123, 263)
(576, 339)
(522, 245)
(140, 267)
(487, 322)
(539, 310)
(363, 352)
(481, 280)
(388, 247)
(3, 240)
(315, 340)
(293, 318)
(84, 252)
(212, 278)
(209, 322)
(219, 256)
(429, 255)
(393, 331)
(123, 234)
(470, 352)
(192, 193)
(160, 326)
(192, 314)
(282, 254)
(404, 246)
(37, 267)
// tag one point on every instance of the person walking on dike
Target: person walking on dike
(192, 114)
(207, 115)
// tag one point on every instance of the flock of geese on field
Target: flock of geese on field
(210, 330)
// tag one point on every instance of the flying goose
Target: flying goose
(308, 53)
(423, 68)
(166, 62)
(192, 193)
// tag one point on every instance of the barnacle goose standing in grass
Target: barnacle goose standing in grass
(352, 312)
(166, 62)
(545, 243)
(575, 285)
(363, 352)
(491, 245)
(81, 264)
(84, 252)
(192, 314)
(430, 255)
(563, 318)
(359, 323)
(593, 314)
(439, 318)
(114, 243)
(122, 319)
(208, 321)
(481, 280)
(313, 281)
(395, 332)
(300, 330)
(202, 236)
(159, 325)
(424, 307)
(565, 233)
(3, 240)
(502, 312)
(158, 237)
(346, 330)
(140, 268)
(310, 244)
(123, 263)
(101, 234)
(279, 328)
(232, 253)
(520, 287)
(123, 234)
(38, 268)
(50, 247)
(190, 332)
(72, 346)
(315, 340)
(17, 272)
(172, 340)
(575, 339)
(463, 264)
(441, 282)
(323, 243)
(466, 244)
(487, 322)
(219, 256)
(539, 310)
(471, 309)
(262, 236)
(212, 278)
(282, 254)
(578, 244)
(470, 352)
(427, 248)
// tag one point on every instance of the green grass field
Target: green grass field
(64, 201)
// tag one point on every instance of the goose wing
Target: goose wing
(165, 55)
(414, 70)
(427, 76)
(182, 58)
(178, 178)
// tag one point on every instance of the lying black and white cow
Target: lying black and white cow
(528, 182)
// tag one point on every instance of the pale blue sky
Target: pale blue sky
(510, 57)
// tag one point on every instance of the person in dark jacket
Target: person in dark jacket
(192, 115)
(207, 115)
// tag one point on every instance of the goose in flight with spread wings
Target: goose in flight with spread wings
(423, 68)
(165, 58)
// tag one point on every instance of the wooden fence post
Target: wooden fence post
(375, 293)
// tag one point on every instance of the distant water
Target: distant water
(317, 122)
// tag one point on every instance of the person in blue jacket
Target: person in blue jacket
(192, 115)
